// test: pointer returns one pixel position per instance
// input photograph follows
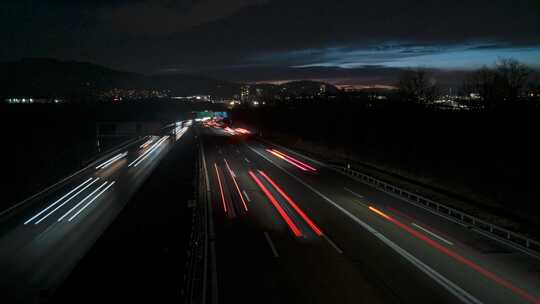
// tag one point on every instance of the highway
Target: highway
(44, 239)
(287, 229)
(290, 229)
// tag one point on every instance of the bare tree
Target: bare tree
(417, 85)
(501, 84)
(482, 82)
(512, 76)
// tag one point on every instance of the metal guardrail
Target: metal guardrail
(195, 276)
(451, 213)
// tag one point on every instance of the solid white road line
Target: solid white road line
(353, 193)
(333, 244)
(82, 201)
(93, 199)
(433, 234)
(57, 201)
(66, 201)
(246, 195)
(209, 238)
(269, 240)
(450, 286)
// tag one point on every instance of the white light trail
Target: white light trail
(147, 152)
(147, 143)
(66, 201)
(180, 131)
(57, 201)
(82, 201)
(87, 204)
(111, 161)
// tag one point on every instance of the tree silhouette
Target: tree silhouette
(418, 86)
(501, 84)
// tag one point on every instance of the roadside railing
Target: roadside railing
(458, 216)
(195, 272)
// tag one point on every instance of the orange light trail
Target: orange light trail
(280, 210)
(293, 204)
(488, 274)
(295, 160)
(290, 162)
(220, 188)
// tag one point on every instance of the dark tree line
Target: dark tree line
(418, 86)
(503, 83)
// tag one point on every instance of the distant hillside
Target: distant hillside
(308, 87)
(50, 78)
(293, 88)
(38, 77)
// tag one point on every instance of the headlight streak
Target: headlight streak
(93, 199)
(147, 143)
(236, 184)
(57, 201)
(111, 161)
(180, 132)
(82, 201)
(66, 201)
(143, 156)
(276, 205)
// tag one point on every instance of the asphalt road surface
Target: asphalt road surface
(291, 230)
(288, 229)
(42, 241)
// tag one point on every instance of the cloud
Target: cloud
(459, 56)
(165, 17)
(290, 37)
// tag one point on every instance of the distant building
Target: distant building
(322, 89)
(29, 100)
(194, 98)
(245, 93)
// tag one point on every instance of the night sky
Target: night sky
(344, 42)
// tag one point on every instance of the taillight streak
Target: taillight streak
(488, 274)
(293, 204)
(233, 176)
(295, 160)
(221, 188)
(285, 159)
(276, 205)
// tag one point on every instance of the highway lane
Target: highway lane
(41, 242)
(258, 258)
(403, 253)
